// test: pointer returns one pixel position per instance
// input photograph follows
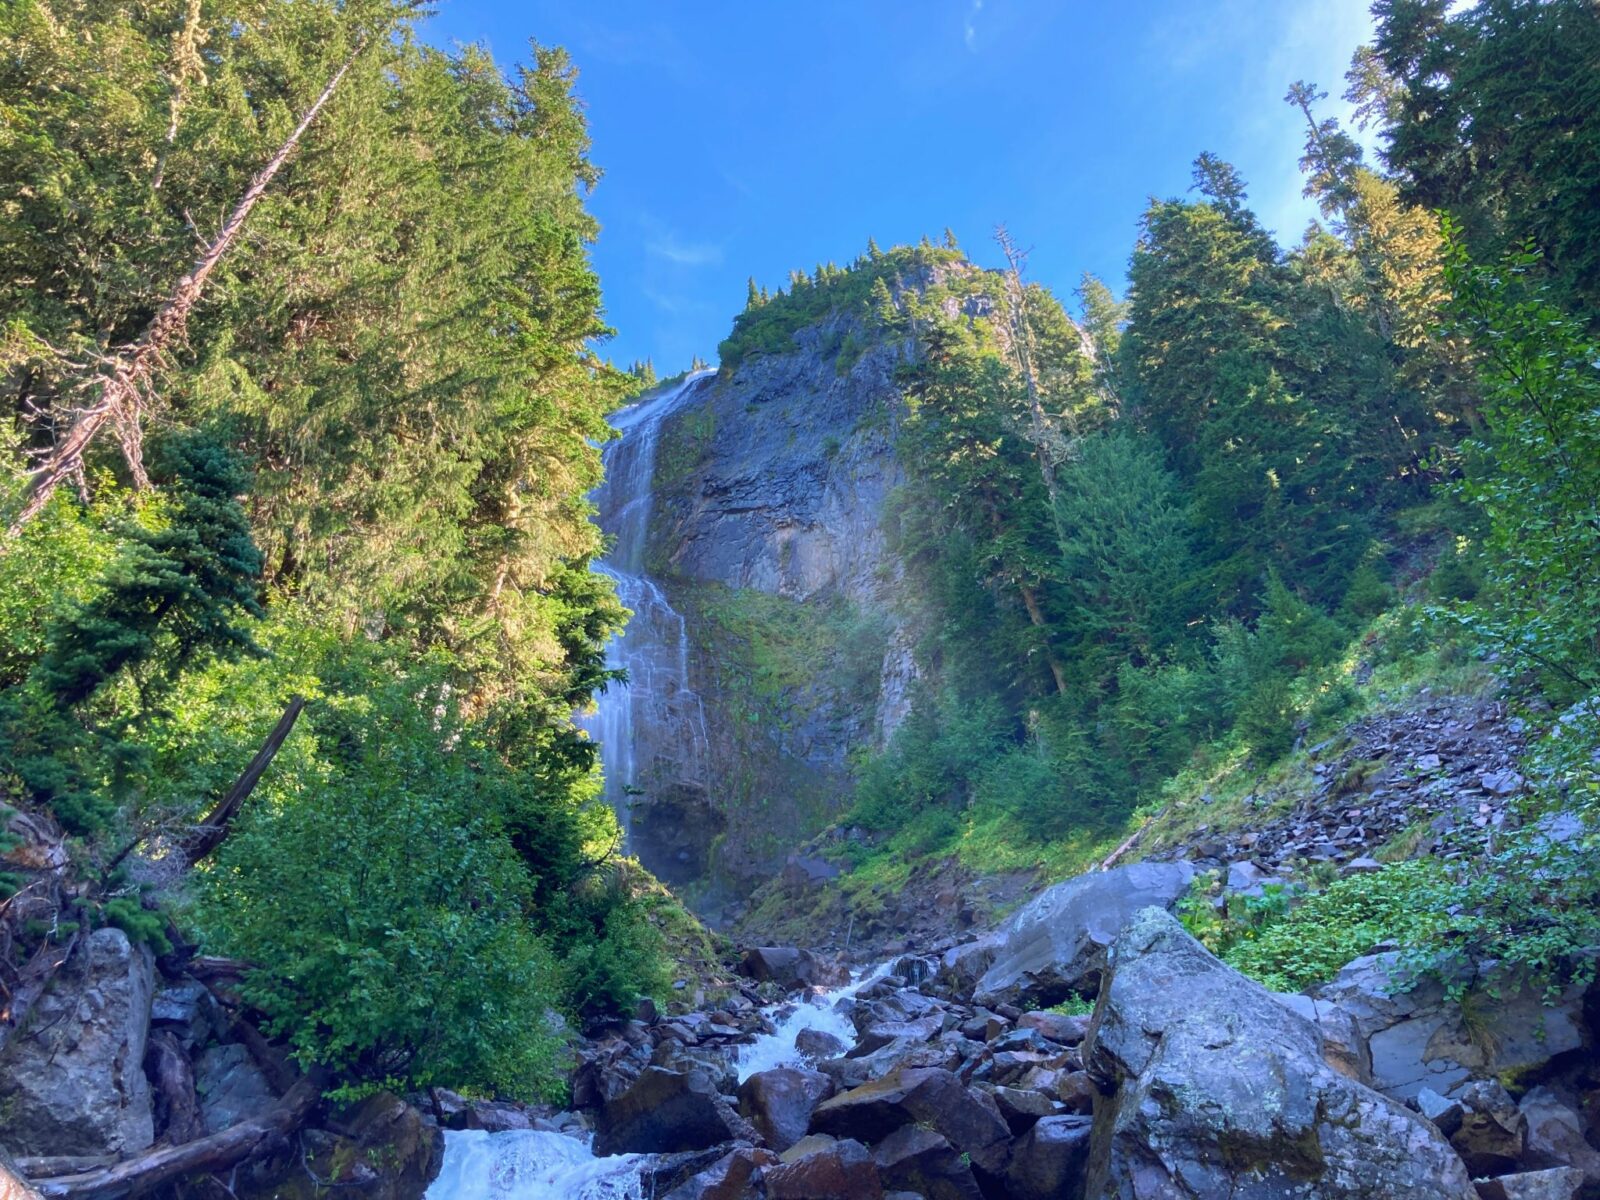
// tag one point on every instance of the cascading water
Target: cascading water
(653, 728)
(528, 1165)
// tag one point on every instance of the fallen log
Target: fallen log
(212, 831)
(218, 1152)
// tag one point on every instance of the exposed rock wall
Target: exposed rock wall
(767, 533)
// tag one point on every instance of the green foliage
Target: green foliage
(860, 291)
(1535, 476)
(370, 457)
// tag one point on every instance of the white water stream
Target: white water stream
(525, 1165)
(651, 730)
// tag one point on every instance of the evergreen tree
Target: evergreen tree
(752, 298)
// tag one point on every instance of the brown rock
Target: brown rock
(826, 1170)
(779, 1103)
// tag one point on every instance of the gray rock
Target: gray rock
(790, 968)
(1221, 1091)
(1443, 1112)
(1049, 1160)
(1416, 1036)
(230, 1087)
(1560, 1183)
(72, 1075)
(817, 1043)
(1493, 1132)
(820, 1168)
(1054, 945)
(1555, 1135)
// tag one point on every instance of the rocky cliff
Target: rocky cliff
(770, 487)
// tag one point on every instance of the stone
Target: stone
(1446, 1114)
(1555, 1135)
(1493, 1130)
(818, 1043)
(790, 968)
(929, 1096)
(72, 1075)
(1559, 1183)
(729, 1178)
(960, 968)
(825, 1169)
(1057, 1027)
(1053, 947)
(1050, 1159)
(1504, 782)
(921, 1161)
(1416, 1037)
(1362, 866)
(1216, 1089)
(779, 1103)
(1020, 1108)
(229, 1086)
(666, 1111)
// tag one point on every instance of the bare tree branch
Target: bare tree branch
(125, 377)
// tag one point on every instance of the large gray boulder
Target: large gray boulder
(1054, 945)
(72, 1075)
(1410, 1035)
(665, 1112)
(1216, 1089)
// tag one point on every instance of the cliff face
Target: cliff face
(767, 534)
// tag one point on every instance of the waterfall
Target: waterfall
(651, 730)
(523, 1164)
(528, 1165)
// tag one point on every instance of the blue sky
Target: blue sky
(750, 138)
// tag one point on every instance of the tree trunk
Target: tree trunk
(124, 377)
(214, 829)
(177, 1113)
(219, 1152)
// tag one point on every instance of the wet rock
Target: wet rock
(666, 1111)
(729, 1178)
(882, 1033)
(961, 967)
(926, 1164)
(928, 1096)
(779, 1103)
(1053, 946)
(816, 1044)
(1217, 1090)
(1560, 1183)
(790, 968)
(72, 1075)
(1049, 1162)
(824, 1169)
(1555, 1135)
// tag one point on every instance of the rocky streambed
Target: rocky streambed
(984, 1073)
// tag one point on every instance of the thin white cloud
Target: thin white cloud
(684, 253)
(969, 27)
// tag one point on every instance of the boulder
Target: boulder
(921, 1161)
(824, 1169)
(791, 968)
(1216, 1089)
(229, 1086)
(1021, 1108)
(72, 1075)
(818, 1043)
(779, 1103)
(1555, 1135)
(1559, 1183)
(960, 968)
(666, 1111)
(1049, 1162)
(1054, 946)
(382, 1149)
(1410, 1035)
(927, 1096)
(729, 1178)
(1057, 1027)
